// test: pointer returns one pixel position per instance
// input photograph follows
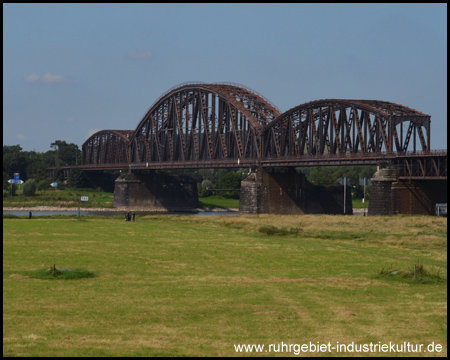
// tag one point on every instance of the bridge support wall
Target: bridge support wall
(290, 194)
(156, 192)
(390, 196)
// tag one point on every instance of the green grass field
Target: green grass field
(171, 285)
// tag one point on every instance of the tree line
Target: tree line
(32, 165)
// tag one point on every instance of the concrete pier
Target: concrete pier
(390, 195)
(290, 194)
(152, 191)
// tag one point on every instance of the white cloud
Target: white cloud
(47, 78)
(32, 77)
(139, 55)
(21, 137)
(53, 78)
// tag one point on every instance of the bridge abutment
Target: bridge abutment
(155, 192)
(289, 194)
(390, 196)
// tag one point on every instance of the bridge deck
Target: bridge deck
(412, 165)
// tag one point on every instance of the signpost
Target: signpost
(16, 180)
(11, 181)
(364, 181)
(346, 182)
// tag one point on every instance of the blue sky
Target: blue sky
(72, 69)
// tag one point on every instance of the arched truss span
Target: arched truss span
(346, 126)
(107, 147)
(202, 122)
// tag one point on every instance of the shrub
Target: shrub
(271, 230)
(30, 187)
(204, 188)
(43, 185)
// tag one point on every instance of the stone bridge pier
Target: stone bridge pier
(289, 193)
(390, 195)
(155, 192)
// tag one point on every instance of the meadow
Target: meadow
(172, 285)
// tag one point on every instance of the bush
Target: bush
(30, 187)
(271, 230)
(204, 188)
(43, 185)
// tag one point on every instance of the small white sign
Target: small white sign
(85, 198)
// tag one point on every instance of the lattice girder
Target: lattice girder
(338, 127)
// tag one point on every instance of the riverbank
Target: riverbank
(119, 210)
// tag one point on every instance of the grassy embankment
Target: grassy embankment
(62, 198)
(99, 199)
(172, 285)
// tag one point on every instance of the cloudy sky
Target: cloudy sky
(72, 69)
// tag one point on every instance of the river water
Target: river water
(122, 214)
(115, 213)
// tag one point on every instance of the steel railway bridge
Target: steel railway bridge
(227, 125)
(200, 125)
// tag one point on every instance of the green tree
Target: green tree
(76, 178)
(14, 161)
(29, 187)
(58, 175)
(324, 176)
(65, 154)
(230, 181)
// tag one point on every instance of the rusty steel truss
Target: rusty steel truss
(107, 147)
(334, 126)
(227, 125)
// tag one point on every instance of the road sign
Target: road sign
(19, 182)
(344, 180)
(364, 181)
(54, 184)
(16, 177)
(11, 181)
